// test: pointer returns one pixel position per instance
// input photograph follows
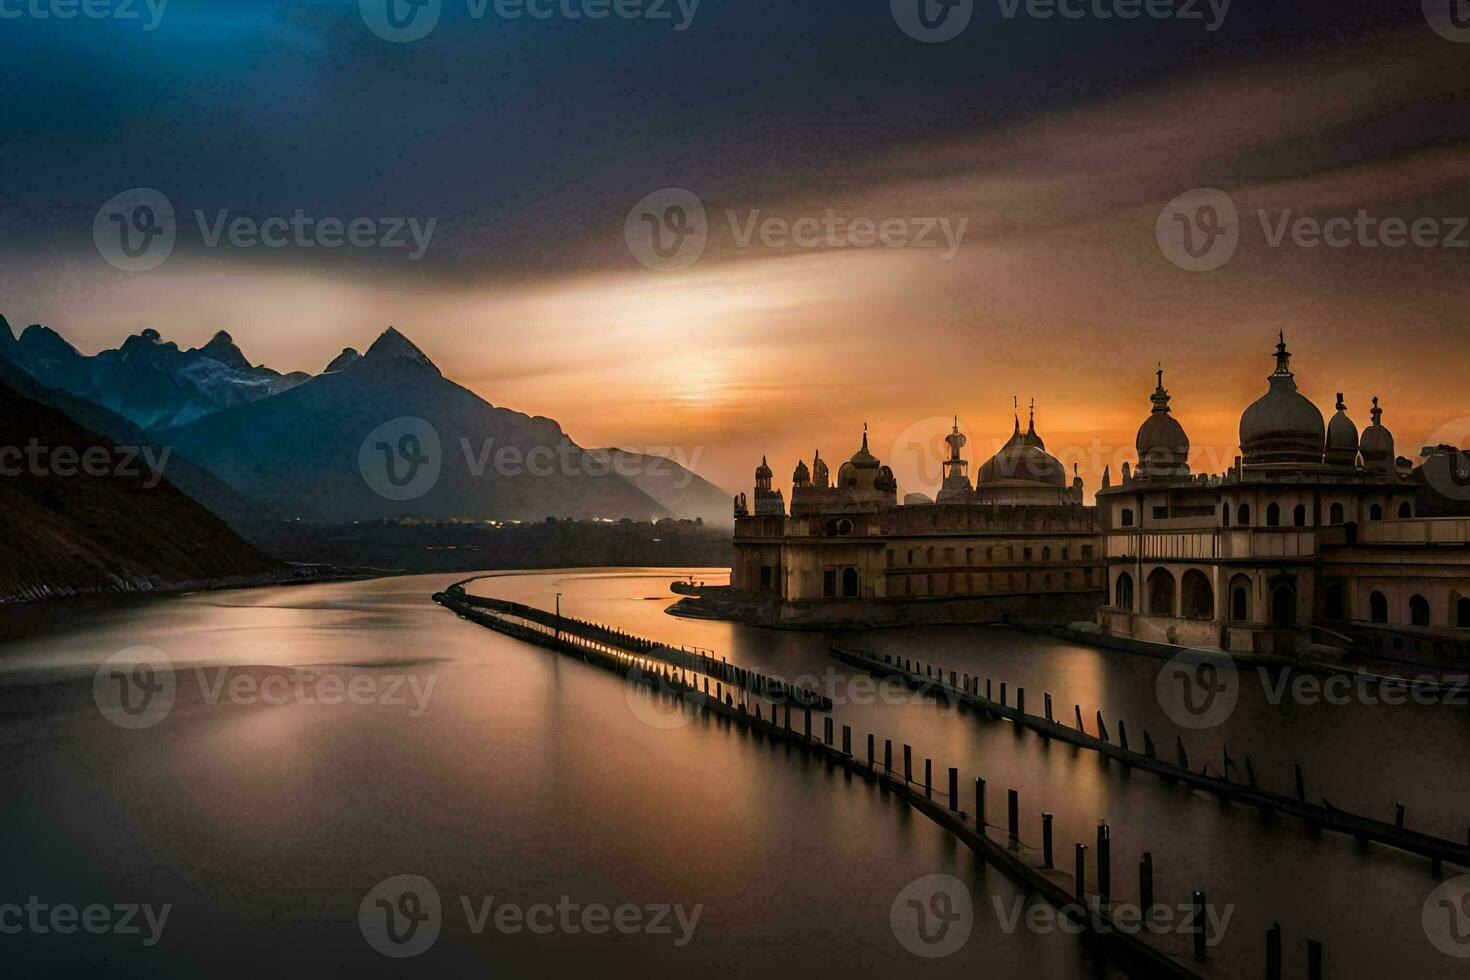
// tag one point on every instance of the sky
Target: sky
(1028, 173)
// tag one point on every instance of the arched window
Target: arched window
(1283, 606)
(1127, 516)
(1336, 604)
(1240, 599)
(1418, 610)
(1197, 595)
(1378, 608)
(1405, 511)
(1160, 592)
(1046, 554)
(850, 582)
(1244, 515)
(1337, 515)
(1462, 613)
(1224, 515)
(1299, 516)
(1123, 592)
(1273, 515)
(1375, 513)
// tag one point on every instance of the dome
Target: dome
(1342, 438)
(1377, 443)
(1163, 446)
(1282, 426)
(763, 470)
(1022, 460)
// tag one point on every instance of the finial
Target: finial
(1377, 412)
(1161, 375)
(865, 436)
(1341, 405)
(1033, 411)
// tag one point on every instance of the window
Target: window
(1026, 554)
(1462, 612)
(1283, 606)
(1240, 599)
(1046, 554)
(989, 554)
(765, 576)
(1160, 592)
(1336, 514)
(1299, 516)
(1087, 552)
(890, 557)
(1067, 580)
(1418, 610)
(1375, 513)
(949, 556)
(1336, 604)
(829, 583)
(929, 556)
(911, 556)
(1225, 515)
(1127, 518)
(1244, 515)
(1378, 608)
(1046, 581)
(1198, 595)
(969, 556)
(908, 585)
(1273, 515)
(1405, 511)
(850, 582)
(1065, 549)
(1161, 513)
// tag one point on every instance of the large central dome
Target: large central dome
(1023, 461)
(1282, 426)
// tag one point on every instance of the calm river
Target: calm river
(311, 742)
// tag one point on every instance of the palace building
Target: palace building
(1313, 537)
(1318, 536)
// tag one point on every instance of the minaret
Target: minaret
(768, 502)
(956, 470)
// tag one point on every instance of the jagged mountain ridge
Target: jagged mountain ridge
(311, 449)
(149, 381)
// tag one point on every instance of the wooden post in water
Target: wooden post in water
(928, 779)
(827, 729)
(1047, 697)
(1104, 861)
(908, 764)
(980, 804)
(1021, 700)
(1398, 816)
(1046, 840)
(1080, 728)
(954, 789)
(1002, 693)
(1081, 871)
(1013, 815)
(1122, 735)
(1146, 885)
(870, 750)
(987, 688)
(786, 714)
(808, 728)
(1198, 926)
(1301, 784)
(1273, 952)
(888, 755)
(847, 740)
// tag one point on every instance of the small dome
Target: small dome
(1163, 446)
(1282, 426)
(1377, 443)
(763, 470)
(1342, 438)
(802, 475)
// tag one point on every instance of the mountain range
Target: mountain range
(254, 444)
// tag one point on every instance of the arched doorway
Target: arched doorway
(1375, 513)
(1335, 606)
(1283, 606)
(1240, 599)
(1418, 610)
(1244, 515)
(1378, 608)
(1462, 612)
(1299, 516)
(1337, 514)
(1273, 515)
(1160, 592)
(1197, 595)
(1405, 511)
(850, 582)
(1123, 592)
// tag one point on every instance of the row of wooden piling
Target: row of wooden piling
(966, 689)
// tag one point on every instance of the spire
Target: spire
(1031, 425)
(1283, 357)
(1107, 480)
(1377, 412)
(865, 437)
(1160, 397)
(1341, 405)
